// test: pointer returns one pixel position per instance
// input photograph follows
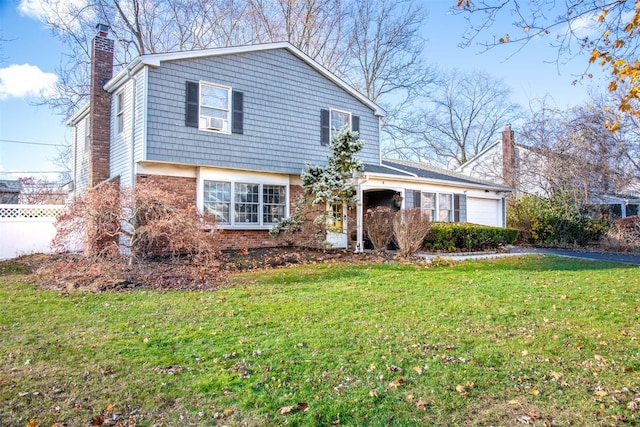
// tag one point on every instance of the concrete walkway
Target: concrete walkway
(621, 257)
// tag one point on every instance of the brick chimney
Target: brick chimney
(100, 106)
(509, 173)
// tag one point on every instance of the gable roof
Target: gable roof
(156, 60)
(422, 171)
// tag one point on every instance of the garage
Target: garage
(484, 211)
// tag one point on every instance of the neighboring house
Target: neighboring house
(234, 127)
(9, 191)
(519, 167)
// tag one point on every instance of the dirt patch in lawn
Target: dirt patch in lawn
(73, 272)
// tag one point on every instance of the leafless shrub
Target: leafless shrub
(378, 227)
(410, 227)
(141, 222)
(624, 235)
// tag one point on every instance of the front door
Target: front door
(337, 225)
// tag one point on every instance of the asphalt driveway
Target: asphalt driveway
(621, 257)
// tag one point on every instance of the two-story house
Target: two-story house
(235, 126)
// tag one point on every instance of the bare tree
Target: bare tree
(316, 27)
(605, 30)
(575, 153)
(462, 116)
(374, 44)
(387, 64)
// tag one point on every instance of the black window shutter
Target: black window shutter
(355, 123)
(191, 108)
(325, 130)
(416, 199)
(237, 110)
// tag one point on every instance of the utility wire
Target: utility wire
(32, 143)
(13, 172)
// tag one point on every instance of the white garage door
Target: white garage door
(484, 211)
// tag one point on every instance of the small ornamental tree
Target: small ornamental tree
(326, 184)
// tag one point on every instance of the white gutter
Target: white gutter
(435, 181)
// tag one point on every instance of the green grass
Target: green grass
(530, 339)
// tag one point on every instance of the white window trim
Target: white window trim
(234, 178)
(229, 112)
(119, 113)
(436, 214)
(331, 111)
(450, 210)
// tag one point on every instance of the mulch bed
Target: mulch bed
(73, 272)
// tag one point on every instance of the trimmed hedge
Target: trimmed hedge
(450, 236)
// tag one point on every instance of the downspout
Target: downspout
(132, 177)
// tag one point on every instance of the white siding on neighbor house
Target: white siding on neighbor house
(484, 211)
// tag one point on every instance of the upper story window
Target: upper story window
(119, 123)
(333, 120)
(339, 119)
(214, 107)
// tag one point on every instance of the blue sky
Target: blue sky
(30, 54)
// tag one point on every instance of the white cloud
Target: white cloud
(22, 81)
(65, 13)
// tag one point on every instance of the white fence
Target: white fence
(26, 229)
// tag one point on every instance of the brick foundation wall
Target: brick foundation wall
(179, 184)
(245, 239)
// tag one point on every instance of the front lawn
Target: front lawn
(518, 341)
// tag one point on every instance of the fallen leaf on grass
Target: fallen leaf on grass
(32, 423)
(463, 391)
(535, 391)
(300, 407)
(632, 406)
(286, 409)
(421, 404)
(373, 393)
(98, 420)
(600, 393)
(396, 383)
(418, 369)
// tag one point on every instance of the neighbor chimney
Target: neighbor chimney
(100, 106)
(509, 172)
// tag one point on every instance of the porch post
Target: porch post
(359, 242)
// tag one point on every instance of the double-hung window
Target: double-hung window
(339, 119)
(244, 204)
(119, 122)
(429, 205)
(443, 207)
(87, 133)
(333, 120)
(214, 107)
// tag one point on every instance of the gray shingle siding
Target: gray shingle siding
(283, 97)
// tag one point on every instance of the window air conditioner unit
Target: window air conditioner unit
(215, 123)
